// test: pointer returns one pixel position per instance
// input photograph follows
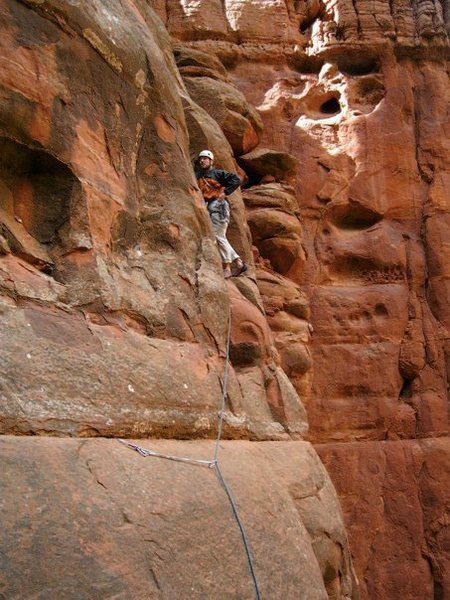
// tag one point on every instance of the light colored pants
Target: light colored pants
(226, 250)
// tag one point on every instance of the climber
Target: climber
(216, 185)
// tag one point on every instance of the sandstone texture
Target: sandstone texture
(397, 512)
(114, 312)
(347, 204)
(98, 520)
(354, 117)
(114, 309)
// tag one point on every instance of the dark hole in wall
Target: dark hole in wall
(306, 64)
(381, 310)
(330, 106)
(354, 216)
(406, 391)
(356, 66)
(42, 214)
(245, 353)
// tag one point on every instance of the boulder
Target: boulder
(239, 121)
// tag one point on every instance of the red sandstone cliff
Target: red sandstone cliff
(114, 315)
(114, 309)
(353, 97)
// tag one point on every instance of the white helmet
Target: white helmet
(206, 153)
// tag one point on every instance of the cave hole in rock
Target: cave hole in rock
(322, 104)
(37, 195)
(357, 66)
(330, 106)
(354, 216)
(381, 310)
(308, 65)
(406, 391)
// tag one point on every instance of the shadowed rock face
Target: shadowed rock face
(357, 94)
(392, 499)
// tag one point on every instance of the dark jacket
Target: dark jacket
(230, 181)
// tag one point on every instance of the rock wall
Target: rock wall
(113, 302)
(114, 317)
(114, 310)
(348, 211)
(353, 99)
(395, 497)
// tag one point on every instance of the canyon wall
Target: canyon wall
(114, 318)
(114, 310)
(347, 201)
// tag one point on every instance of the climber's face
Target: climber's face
(205, 163)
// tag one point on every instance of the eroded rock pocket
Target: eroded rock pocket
(38, 196)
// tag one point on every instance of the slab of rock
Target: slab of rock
(22, 243)
(277, 234)
(189, 19)
(93, 518)
(269, 395)
(288, 315)
(275, 226)
(195, 63)
(68, 373)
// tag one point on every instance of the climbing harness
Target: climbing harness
(214, 464)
